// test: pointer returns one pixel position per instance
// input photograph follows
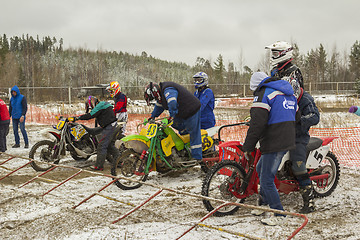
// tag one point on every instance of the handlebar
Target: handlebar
(157, 121)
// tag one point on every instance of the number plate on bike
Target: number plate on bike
(151, 130)
(77, 131)
(60, 124)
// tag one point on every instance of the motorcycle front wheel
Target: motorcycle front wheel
(42, 152)
(222, 178)
(330, 165)
(130, 166)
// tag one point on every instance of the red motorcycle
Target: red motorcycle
(234, 178)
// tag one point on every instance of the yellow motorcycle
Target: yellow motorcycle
(159, 148)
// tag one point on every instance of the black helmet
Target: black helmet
(152, 91)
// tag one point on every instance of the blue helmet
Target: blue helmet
(200, 79)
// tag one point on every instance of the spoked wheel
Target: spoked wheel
(129, 165)
(42, 152)
(330, 165)
(210, 153)
(220, 181)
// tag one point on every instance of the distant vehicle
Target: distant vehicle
(98, 90)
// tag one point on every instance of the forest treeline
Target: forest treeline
(29, 61)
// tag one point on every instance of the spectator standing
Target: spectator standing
(273, 125)
(4, 125)
(17, 110)
(207, 99)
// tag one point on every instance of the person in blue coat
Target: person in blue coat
(17, 110)
(184, 110)
(272, 124)
(207, 100)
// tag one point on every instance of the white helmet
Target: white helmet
(280, 52)
(200, 79)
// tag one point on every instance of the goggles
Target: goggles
(198, 80)
(276, 53)
(111, 91)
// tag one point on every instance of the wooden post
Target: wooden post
(69, 95)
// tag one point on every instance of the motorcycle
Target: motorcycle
(234, 178)
(80, 141)
(158, 148)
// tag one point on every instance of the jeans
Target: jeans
(191, 125)
(267, 168)
(16, 123)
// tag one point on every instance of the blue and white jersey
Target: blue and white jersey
(272, 117)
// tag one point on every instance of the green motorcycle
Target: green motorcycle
(158, 148)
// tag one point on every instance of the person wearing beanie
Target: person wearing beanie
(272, 117)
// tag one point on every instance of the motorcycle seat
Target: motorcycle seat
(186, 138)
(314, 143)
(93, 131)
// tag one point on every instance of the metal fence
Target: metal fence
(37, 95)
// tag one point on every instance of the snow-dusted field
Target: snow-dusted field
(25, 214)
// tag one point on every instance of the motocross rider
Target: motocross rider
(282, 67)
(103, 113)
(207, 100)
(120, 106)
(310, 116)
(184, 110)
(273, 125)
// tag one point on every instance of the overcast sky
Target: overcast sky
(182, 30)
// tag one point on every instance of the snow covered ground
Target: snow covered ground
(26, 214)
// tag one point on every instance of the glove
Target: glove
(73, 119)
(353, 109)
(247, 155)
(151, 120)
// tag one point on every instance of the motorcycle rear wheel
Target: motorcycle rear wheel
(331, 166)
(216, 185)
(42, 152)
(129, 165)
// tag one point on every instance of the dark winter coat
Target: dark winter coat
(187, 103)
(272, 117)
(310, 116)
(18, 104)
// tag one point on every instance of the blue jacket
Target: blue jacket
(272, 117)
(18, 104)
(207, 100)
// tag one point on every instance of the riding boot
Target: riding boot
(307, 193)
(100, 160)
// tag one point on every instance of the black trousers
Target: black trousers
(4, 130)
